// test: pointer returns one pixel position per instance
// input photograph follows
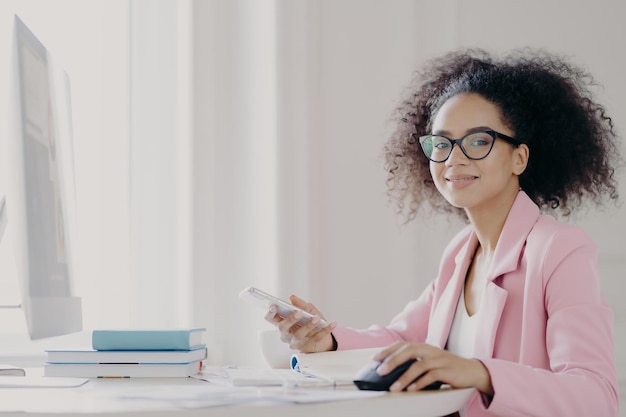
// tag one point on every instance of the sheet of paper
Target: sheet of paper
(213, 396)
(305, 396)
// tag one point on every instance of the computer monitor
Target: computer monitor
(40, 198)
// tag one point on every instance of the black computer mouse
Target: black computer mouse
(368, 379)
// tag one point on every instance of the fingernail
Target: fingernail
(273, 308)
(395, 386)
(382, 369)
(315, 320)
(298, 315)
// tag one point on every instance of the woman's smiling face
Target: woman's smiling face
(476, 184)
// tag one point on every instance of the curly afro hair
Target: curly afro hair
(544, 99)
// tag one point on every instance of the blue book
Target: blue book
(148, 339)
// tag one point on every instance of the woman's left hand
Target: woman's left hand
(433, 364)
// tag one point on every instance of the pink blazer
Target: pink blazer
(547, 337)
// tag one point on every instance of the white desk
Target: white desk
(154, 397)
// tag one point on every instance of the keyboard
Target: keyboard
(272, 377)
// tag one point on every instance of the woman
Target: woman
(516, 310)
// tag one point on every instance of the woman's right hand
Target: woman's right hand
(306, 338)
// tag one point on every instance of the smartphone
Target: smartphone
(285, 308)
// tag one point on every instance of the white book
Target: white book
(122, 370)
(82, 355)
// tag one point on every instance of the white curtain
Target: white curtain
(160, 163)
(290, 105)
(234, 169)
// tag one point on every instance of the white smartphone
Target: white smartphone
(265, 300)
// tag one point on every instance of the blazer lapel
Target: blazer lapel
(492, 306)
(520, 221)
(441, 318)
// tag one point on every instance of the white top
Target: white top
(462, 336)
(463, 331)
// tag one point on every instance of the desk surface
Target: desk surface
(192, 397)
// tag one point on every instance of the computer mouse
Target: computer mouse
(368, 379)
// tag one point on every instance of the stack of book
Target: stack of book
(132, 354)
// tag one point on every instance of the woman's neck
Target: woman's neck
(488, 223)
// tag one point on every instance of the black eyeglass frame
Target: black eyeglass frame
(494, 134)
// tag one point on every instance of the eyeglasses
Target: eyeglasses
(475, 145)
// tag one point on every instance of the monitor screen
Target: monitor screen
(40, 198)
